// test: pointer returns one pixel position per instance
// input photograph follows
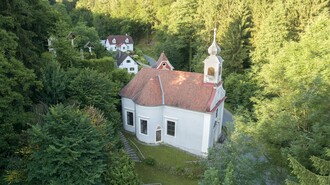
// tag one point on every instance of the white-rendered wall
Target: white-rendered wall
(124, 64)
(154, 117)
(128, 105)
(189, 129)
(220, 93)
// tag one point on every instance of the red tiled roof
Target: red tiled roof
(181, 89)
(163, 61)
(120, 39)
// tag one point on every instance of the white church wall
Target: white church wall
(189, 129)
(153, 116)
(128, 105)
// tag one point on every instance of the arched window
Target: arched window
(210, 71)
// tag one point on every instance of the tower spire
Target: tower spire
(214, 49)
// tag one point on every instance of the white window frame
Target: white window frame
(127, 111)
(128, 61)
(132, 69)
(140, 119)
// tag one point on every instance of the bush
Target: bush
(150, 161)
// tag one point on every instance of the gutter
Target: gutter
(161, 88)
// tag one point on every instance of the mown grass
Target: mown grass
(172, 166)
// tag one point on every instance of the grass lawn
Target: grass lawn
(172, 167)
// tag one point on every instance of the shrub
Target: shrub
(150, 161)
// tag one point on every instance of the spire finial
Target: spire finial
(214, 49)
(214, 34)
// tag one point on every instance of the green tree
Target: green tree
(235, 42)
(240, 88)
(306, 176)
(210, 177)
(292, 115)
(67, 149)
(54, 81)
(121, 170)
(89, 87)
(16, 82)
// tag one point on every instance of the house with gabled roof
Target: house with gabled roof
(119, 42)
(125, 61)
(182, 109)
(163, 63)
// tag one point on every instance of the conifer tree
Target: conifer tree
(306, 177)
(67, 149)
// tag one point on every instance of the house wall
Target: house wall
(114, 47)
(128, 66)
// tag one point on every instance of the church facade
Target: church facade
(182, 109)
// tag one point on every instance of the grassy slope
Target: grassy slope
(168, 159)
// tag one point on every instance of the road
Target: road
(227, 117)
(150, 60)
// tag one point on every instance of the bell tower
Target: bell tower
(213, 63)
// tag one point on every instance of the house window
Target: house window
(131, 68)
(128, 61)
(130, 118)
(171, 128)
(143, 126)
(216, 113)
(127, 47)
(210, 71)
(113, 40)
(124, 48)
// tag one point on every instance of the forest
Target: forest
(60, 109)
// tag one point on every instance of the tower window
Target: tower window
(210, 71)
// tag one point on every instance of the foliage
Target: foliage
(306, 177)
(150, 161)
(235, 42)
(89, 87)
(210, 177)
(297, 84)
(121, 170)
(31, 23)
(54, 81)
(67, 149)
(241, 89)
(16, 83)
(102, 65)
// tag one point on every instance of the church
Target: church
(178, 108)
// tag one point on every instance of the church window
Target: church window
(171, 128)
(210, 71)
(130, 118)
(216, 113)
(143, 126)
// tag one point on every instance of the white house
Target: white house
(182, 109)
(119, 42)
(124, 61)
